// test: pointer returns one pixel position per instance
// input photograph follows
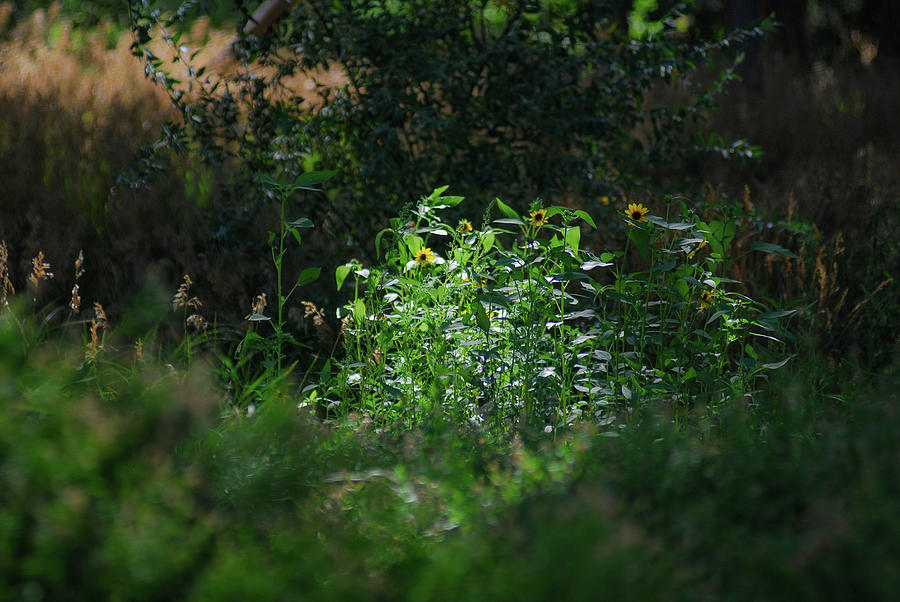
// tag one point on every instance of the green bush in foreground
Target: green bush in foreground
(96, 502)
(143, 495)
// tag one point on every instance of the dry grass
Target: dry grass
(75, 106)
(829, 189)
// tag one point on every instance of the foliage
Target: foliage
(142, 493)
(243, 375)
(128, 471)
(550, 98)
(517, 321)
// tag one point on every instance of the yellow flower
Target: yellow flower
(464, 227)
(637, 212)
(604, 200)
(538, 218)
(706, 297)
(424, 256)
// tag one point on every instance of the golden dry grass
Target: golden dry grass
(75, 106)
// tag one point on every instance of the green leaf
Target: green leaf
(359, 311)
(573, 238)
(719, 236)
(496, 298)
(716, 316)
(512, 221)
(774, 315)
(308, 275)
(311, 178)
(767, 320)
(302, 222)
(586, 217)
(590, 265)
(665, 267)
(640, 238)
(481, 318)
(776, 365)
(378, 241)
(507, 210)
(569, 276)
(413, 243)
(670, 226)
(270, 181)
(341, 272)
(258, 318)
(768, 247)
(436, 193)
(325, 373)
(487, 242)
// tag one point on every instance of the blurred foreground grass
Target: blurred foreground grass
(129, 482)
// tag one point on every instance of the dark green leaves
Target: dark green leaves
(768, 247)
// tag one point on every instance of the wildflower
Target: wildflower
(79, 265)
(75, 303)
(604, 200)
(464, 227)
(96, 345)
(538, 218)
(257, 306)
(198, 322)
(100, 315)
(316, 313)
(182, 297)
(637, 212)
(39, 270)
(706, 297)
(424, 256)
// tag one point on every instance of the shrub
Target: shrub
(542, 98)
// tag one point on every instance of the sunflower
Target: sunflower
(637, 212)
(706, 297)
(424, 256)
(604, 200)
(538, 218)
(464, 227)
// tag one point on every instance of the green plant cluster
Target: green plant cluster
(518, 322)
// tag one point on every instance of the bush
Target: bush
(542, 98)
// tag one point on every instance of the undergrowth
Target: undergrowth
(517, 321)
(508, 406)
